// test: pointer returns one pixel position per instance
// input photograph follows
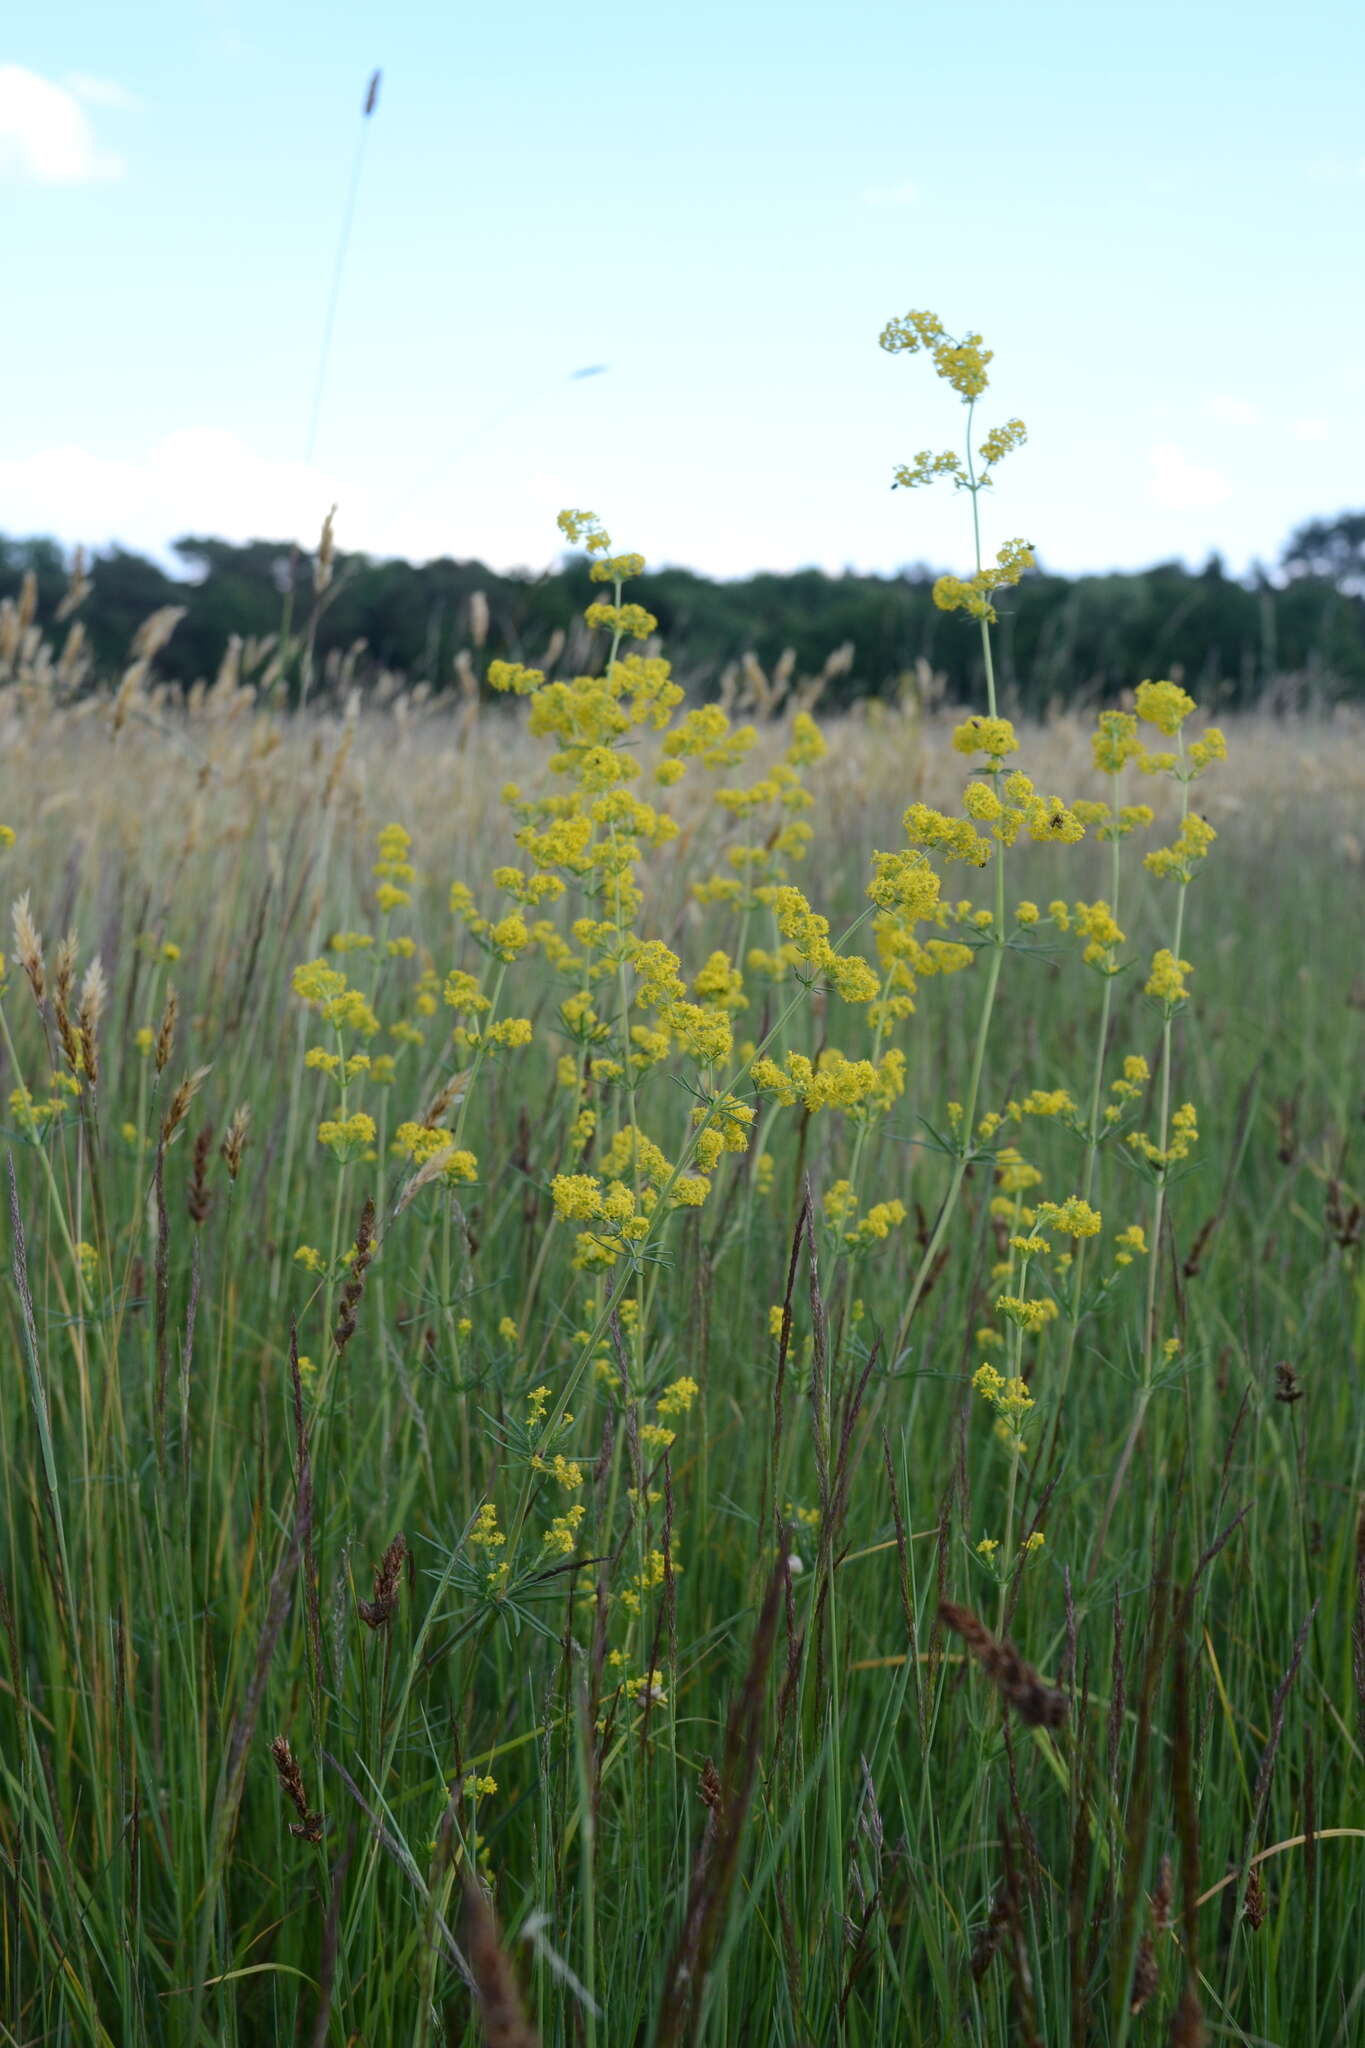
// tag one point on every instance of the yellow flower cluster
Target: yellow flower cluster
(424, 1142)
(832, 1080)
(1097, 925)
(1129, 1244)
(973, 594)
(393, 868)
(858, 1233)
(1184, 1137)
(561, 1538)
(349, 1136)
(343, 1007)
(962, 364)
(1071, 1218)
(1029, 1316)
(1189, 848)
(1011, 1400)
(1164, 705)
(1166, 982)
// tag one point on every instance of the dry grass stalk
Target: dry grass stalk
(308, 1826)
(28, 945)
(428, 1171)
(90, 1008)
(1358, 1624)
(78, 588)
(505, 2024)
(1037, 1704)
(325, 559)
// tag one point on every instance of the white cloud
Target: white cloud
(1233, 412)
(45, 136)
(1179, 485)
(904, 194)
(206, 480)
(102, 92)
(1310, 430)
(199, 480)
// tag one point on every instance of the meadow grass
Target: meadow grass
(591, 1458)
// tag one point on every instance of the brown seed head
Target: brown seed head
(234, 1141)
(1287, 1388)
(198, 1200)
(355, 1282)
(379, 1611)
(504, 2017)
(165, 1037)
(1146, 1975)
(309, 1824)
(323, 561)
(179, 1106)
(1038, 1704)
(64, 967)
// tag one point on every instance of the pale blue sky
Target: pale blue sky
(1153, 213)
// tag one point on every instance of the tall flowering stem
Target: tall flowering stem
(962, 364)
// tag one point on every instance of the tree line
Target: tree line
(1299, 631)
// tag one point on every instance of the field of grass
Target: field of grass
(589, 1458)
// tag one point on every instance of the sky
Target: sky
(1152, 213)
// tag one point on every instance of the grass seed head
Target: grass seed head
(28, 945)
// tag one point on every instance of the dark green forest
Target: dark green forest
(1290, 634)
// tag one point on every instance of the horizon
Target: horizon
(507, 341)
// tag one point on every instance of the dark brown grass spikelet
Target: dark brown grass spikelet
(505, 2024)
(990, 1934)
(1019, 1685)
(1287, 1388)
(198, 1200)
(1146, 1971)
(1187, 2026)
(355, 1282)
(1146, 1975)
(1254, 1906)
(1343, 1224)
(308, 1826)
(379, 1612)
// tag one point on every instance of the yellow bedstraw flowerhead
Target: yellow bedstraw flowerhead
(1011, 1401)
(1167, 979)
(347, 1137)
(1183, 857)
(962, 364)
(1164, 705)
(1071, 1218)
